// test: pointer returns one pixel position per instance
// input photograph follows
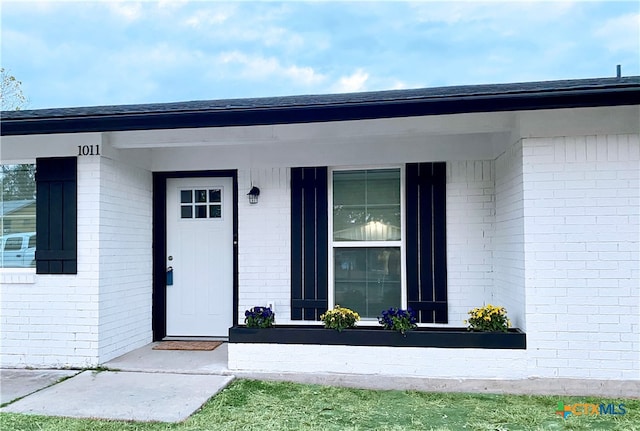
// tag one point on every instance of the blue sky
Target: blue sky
(120, 52)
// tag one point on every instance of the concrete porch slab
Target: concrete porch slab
(130, 396)
(17, 383)
(147, 360)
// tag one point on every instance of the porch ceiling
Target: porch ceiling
(450, 137)
(468, 136)
(491, 131)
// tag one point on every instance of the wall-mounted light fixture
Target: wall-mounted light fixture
(253, 195)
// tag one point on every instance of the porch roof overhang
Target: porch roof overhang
(546, 95)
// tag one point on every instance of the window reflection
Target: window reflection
(367, 279)
(17, 216)
(366, 205)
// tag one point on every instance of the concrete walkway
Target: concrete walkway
(16, 384)
(130, 396)
(143, 385)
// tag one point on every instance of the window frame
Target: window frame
(208, 204)
(366, 321)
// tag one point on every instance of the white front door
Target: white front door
(200, 254)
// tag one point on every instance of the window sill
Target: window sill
(17, 275)
(450, 338)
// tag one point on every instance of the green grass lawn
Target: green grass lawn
(270, 406)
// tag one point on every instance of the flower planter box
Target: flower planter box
(456, 338)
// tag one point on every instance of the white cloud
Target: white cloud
(130, 11)
(398, 85)
(354, 82)
(304, 75)
(161, 56)
(171, 4)
(205, 18)
(621, 33)
(277, 36)
(503, 18)
(234, 24)
(258, 67)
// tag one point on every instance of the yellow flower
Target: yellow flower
(490, 317)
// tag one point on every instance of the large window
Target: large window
(17, 216)
(367, 240)
(386, 245)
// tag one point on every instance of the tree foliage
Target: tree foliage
(18, 182)
(11, 96)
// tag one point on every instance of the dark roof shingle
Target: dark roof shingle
(329, 107)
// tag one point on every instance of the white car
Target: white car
(18, 250)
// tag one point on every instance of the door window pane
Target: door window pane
(367, 279)
(186, 196)
(215, 195)
(201, 195)
(186, 212)
(194, 203)
(201, 211)
(215, 211)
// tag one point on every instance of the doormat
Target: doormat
(187, 345)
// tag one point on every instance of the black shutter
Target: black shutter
(56, 216)
(309, 242)
(427, 241)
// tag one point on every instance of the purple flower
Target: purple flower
(259, 317)
(398, 319)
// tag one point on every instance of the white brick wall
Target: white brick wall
(556, 219)
(508, 236)
(53, 321)
(84, 319)
(125, 258)
(389, 361)
(550, 229)
(470, 219)
(582, 273)
(264, 242)
(264, 239)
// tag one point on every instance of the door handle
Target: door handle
(170, 276)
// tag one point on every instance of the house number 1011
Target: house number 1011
(88, 150)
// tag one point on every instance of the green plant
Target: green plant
(398, 320)
(340, 318)
(282, 406)
(488, 318)
(259, 317)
